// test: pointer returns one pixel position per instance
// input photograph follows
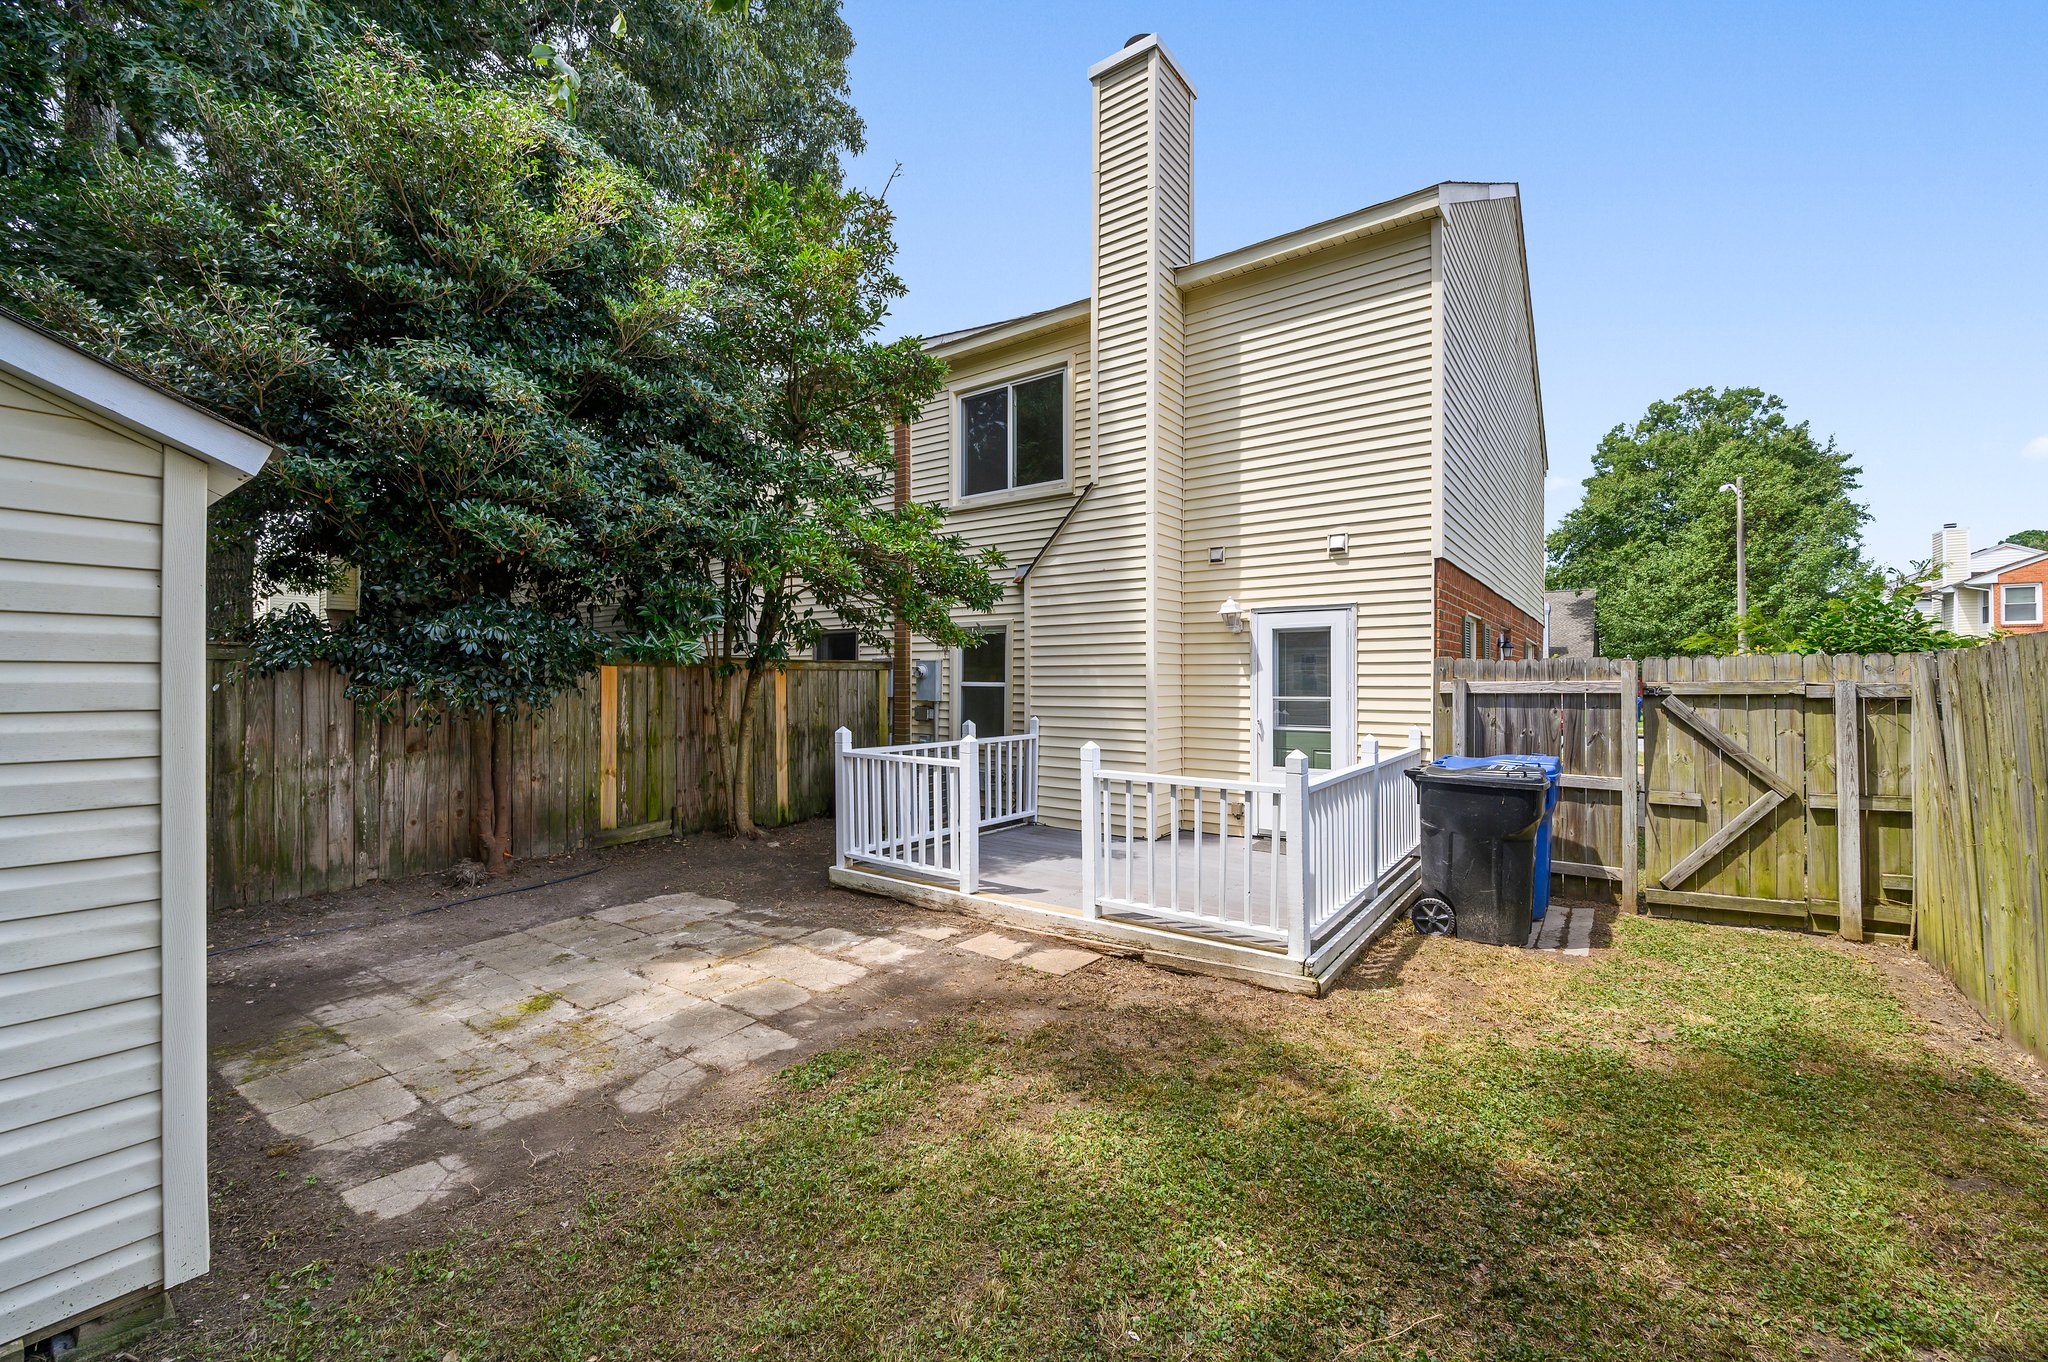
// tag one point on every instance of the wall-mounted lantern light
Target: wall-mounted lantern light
(1232, 614)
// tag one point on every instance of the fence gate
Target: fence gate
(1779, 786)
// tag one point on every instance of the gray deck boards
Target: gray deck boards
(1043, 865)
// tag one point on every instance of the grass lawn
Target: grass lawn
(1703, 1143)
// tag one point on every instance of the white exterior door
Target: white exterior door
(1304, 688)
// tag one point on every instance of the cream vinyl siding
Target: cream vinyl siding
(1493, 424)
(81, 1115)
(1017, 523)
(1309, 412)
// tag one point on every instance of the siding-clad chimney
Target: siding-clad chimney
(1952, 553)
(1143, 231)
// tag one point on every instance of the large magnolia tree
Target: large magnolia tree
(509, 380)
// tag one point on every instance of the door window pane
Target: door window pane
(1301, 662)
(983, 707)
(983, 661)
(838, 645)
(985, 442)
(1041, 430)
(984, 685)
(1301, 713)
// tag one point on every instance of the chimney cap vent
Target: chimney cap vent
(1135, 39)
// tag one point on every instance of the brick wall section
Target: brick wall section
(2032, 572)
(1458, 594)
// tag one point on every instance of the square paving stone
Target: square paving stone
(743, 1047)
(933, 933)
(656, 1088)
(880, 951)
(403, 1192)
(1061, 960)
(711, 980)
(832, 939)
(328, 1070)
(766, 998)
(348, 1112)
(805, 968)
(478, 1067)
(993, 946)
(696, 1023)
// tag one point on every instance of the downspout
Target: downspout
(1546, 630)
(1024, 587)
(900, 684)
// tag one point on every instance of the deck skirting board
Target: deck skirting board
(1167, 949)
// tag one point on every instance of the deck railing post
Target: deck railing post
(1375, 814)
(1293, 849)
(1091, 827)
(842, 806)
(1031, 770)
(967, 812)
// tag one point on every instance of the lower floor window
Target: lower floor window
(837, 645)
(985, 684)
(2020, 604)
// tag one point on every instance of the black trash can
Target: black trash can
(1479, 843)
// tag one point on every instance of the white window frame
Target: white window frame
(963, 497)
(2005, 590)
(1342, 621)
(961, 684)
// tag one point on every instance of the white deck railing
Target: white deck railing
(922, 807)
(1185, 848)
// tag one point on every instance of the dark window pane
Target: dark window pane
(1041, 430)
(1301, 662)
(985, 442)
(838, 645)
(984, 707)
(984, 661)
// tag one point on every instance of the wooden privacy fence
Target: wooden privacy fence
(307, 793)
(1980, 779)
(1730, 801)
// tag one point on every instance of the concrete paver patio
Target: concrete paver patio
(383, 1088)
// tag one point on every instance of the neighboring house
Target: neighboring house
(104, 484)
(1245, 499)
(333, 605)
(1569, 623)
(1996, 590)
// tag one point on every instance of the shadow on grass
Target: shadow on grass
(1161, 1183)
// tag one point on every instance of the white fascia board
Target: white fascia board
(1149, 43)
(30, 353)
(1381, 217)
(1005, 333)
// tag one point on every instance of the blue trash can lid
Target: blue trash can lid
(1513, 761)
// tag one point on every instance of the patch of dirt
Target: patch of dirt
(1950, 1022)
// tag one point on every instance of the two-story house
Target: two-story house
(1248, 498)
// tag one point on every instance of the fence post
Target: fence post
(968, 811)
(1629, 685)
(1849, 810)
(1293, 850)
(1091, 828)
(842, 743)
(1375, 789)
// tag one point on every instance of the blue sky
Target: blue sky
(1846, 205)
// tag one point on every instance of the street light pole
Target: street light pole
(1741, 569)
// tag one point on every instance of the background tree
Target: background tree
(2033, 539)
(1873, 615)
(458, 319)
(804, 523)
(1655, 535)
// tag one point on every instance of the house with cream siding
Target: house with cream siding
(104, 485)
(1245, 500)
(1344, 421)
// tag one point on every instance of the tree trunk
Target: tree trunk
(492, 782)
(743, 757)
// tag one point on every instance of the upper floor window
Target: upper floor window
(1014, 435)
(2020, 604)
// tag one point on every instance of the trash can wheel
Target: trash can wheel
(1432, 917)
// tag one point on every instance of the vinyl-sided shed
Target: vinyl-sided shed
(104, 484)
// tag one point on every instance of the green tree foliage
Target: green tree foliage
(1871, 616)
(805, 278)
(517, 386)
(1655, 534)
(2033, 539)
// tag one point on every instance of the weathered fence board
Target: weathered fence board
(1980, 786)
(1580, 710)
(308, 794)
